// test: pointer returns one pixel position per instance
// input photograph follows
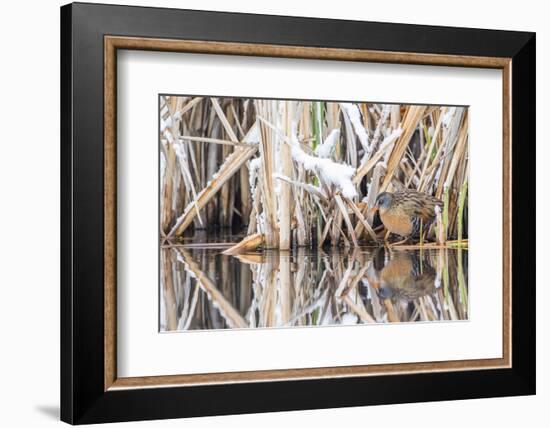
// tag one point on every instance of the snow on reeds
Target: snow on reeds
(333, 174)
(303, 173)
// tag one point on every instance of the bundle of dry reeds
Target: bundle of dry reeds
(303, 173)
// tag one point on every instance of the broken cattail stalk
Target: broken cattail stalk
(249, 244)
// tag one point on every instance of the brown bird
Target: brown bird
(407, 211)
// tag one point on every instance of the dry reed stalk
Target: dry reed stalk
(382, 118)
(225, 194)
(230, 166)
(171, 133)
(440, 227)
(458, 154)
(422, 311)
(224, 121)
(359, 309)
(390, 311)
(213, 140)
(395, 115)
(335, 229)
(345, 215)
(353, 283)
(226, 211)
(371, 163)
(169, 295)
(461, 203)
(375, 301)
(285, 287)
(426, 303)
(301, 230)
(230, 314)
(462, 285)
(202, 245)
(267, 154)
(246, 201)
(244, 174)
(168, 193)
(451, 138)
(268, 303)
(373, 191)
(411, 118)
(343, 282)
(252, 222)
(190, 105)
(362, 220)
(211, 159)
(421, 182)
(351, 140)
(191, 311)
(440, 301)
(326, 230)
(251, 258)
(285, 189)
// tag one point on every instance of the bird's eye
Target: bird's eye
(384, 292)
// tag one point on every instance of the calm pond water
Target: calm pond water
(200, 288)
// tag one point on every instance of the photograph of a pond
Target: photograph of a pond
(301, 213)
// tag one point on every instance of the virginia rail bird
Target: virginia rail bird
(407, 211)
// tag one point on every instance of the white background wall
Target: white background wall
(29, 212)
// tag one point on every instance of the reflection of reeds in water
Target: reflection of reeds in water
(203, 289)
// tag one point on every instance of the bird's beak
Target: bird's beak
(373, 209)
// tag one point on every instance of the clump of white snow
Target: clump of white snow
(325, 149)
(448, 117)
(349, 319)
(254, 164)
(390, 139)
(164, 124)
(336, 174)
(253, 167)
(253, 134)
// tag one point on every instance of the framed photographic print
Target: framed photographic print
(265, 213)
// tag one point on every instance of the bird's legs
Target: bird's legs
(393, 244)
(399, 242)
(386, 238)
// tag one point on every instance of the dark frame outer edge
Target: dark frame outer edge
(83, 399)
(66, 317)
(524, 216)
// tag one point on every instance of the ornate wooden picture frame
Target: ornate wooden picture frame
(91, 390)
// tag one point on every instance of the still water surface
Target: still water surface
(201, 288)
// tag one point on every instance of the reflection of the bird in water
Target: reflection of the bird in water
(204, 289)
(403, 276)
(408, 285)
